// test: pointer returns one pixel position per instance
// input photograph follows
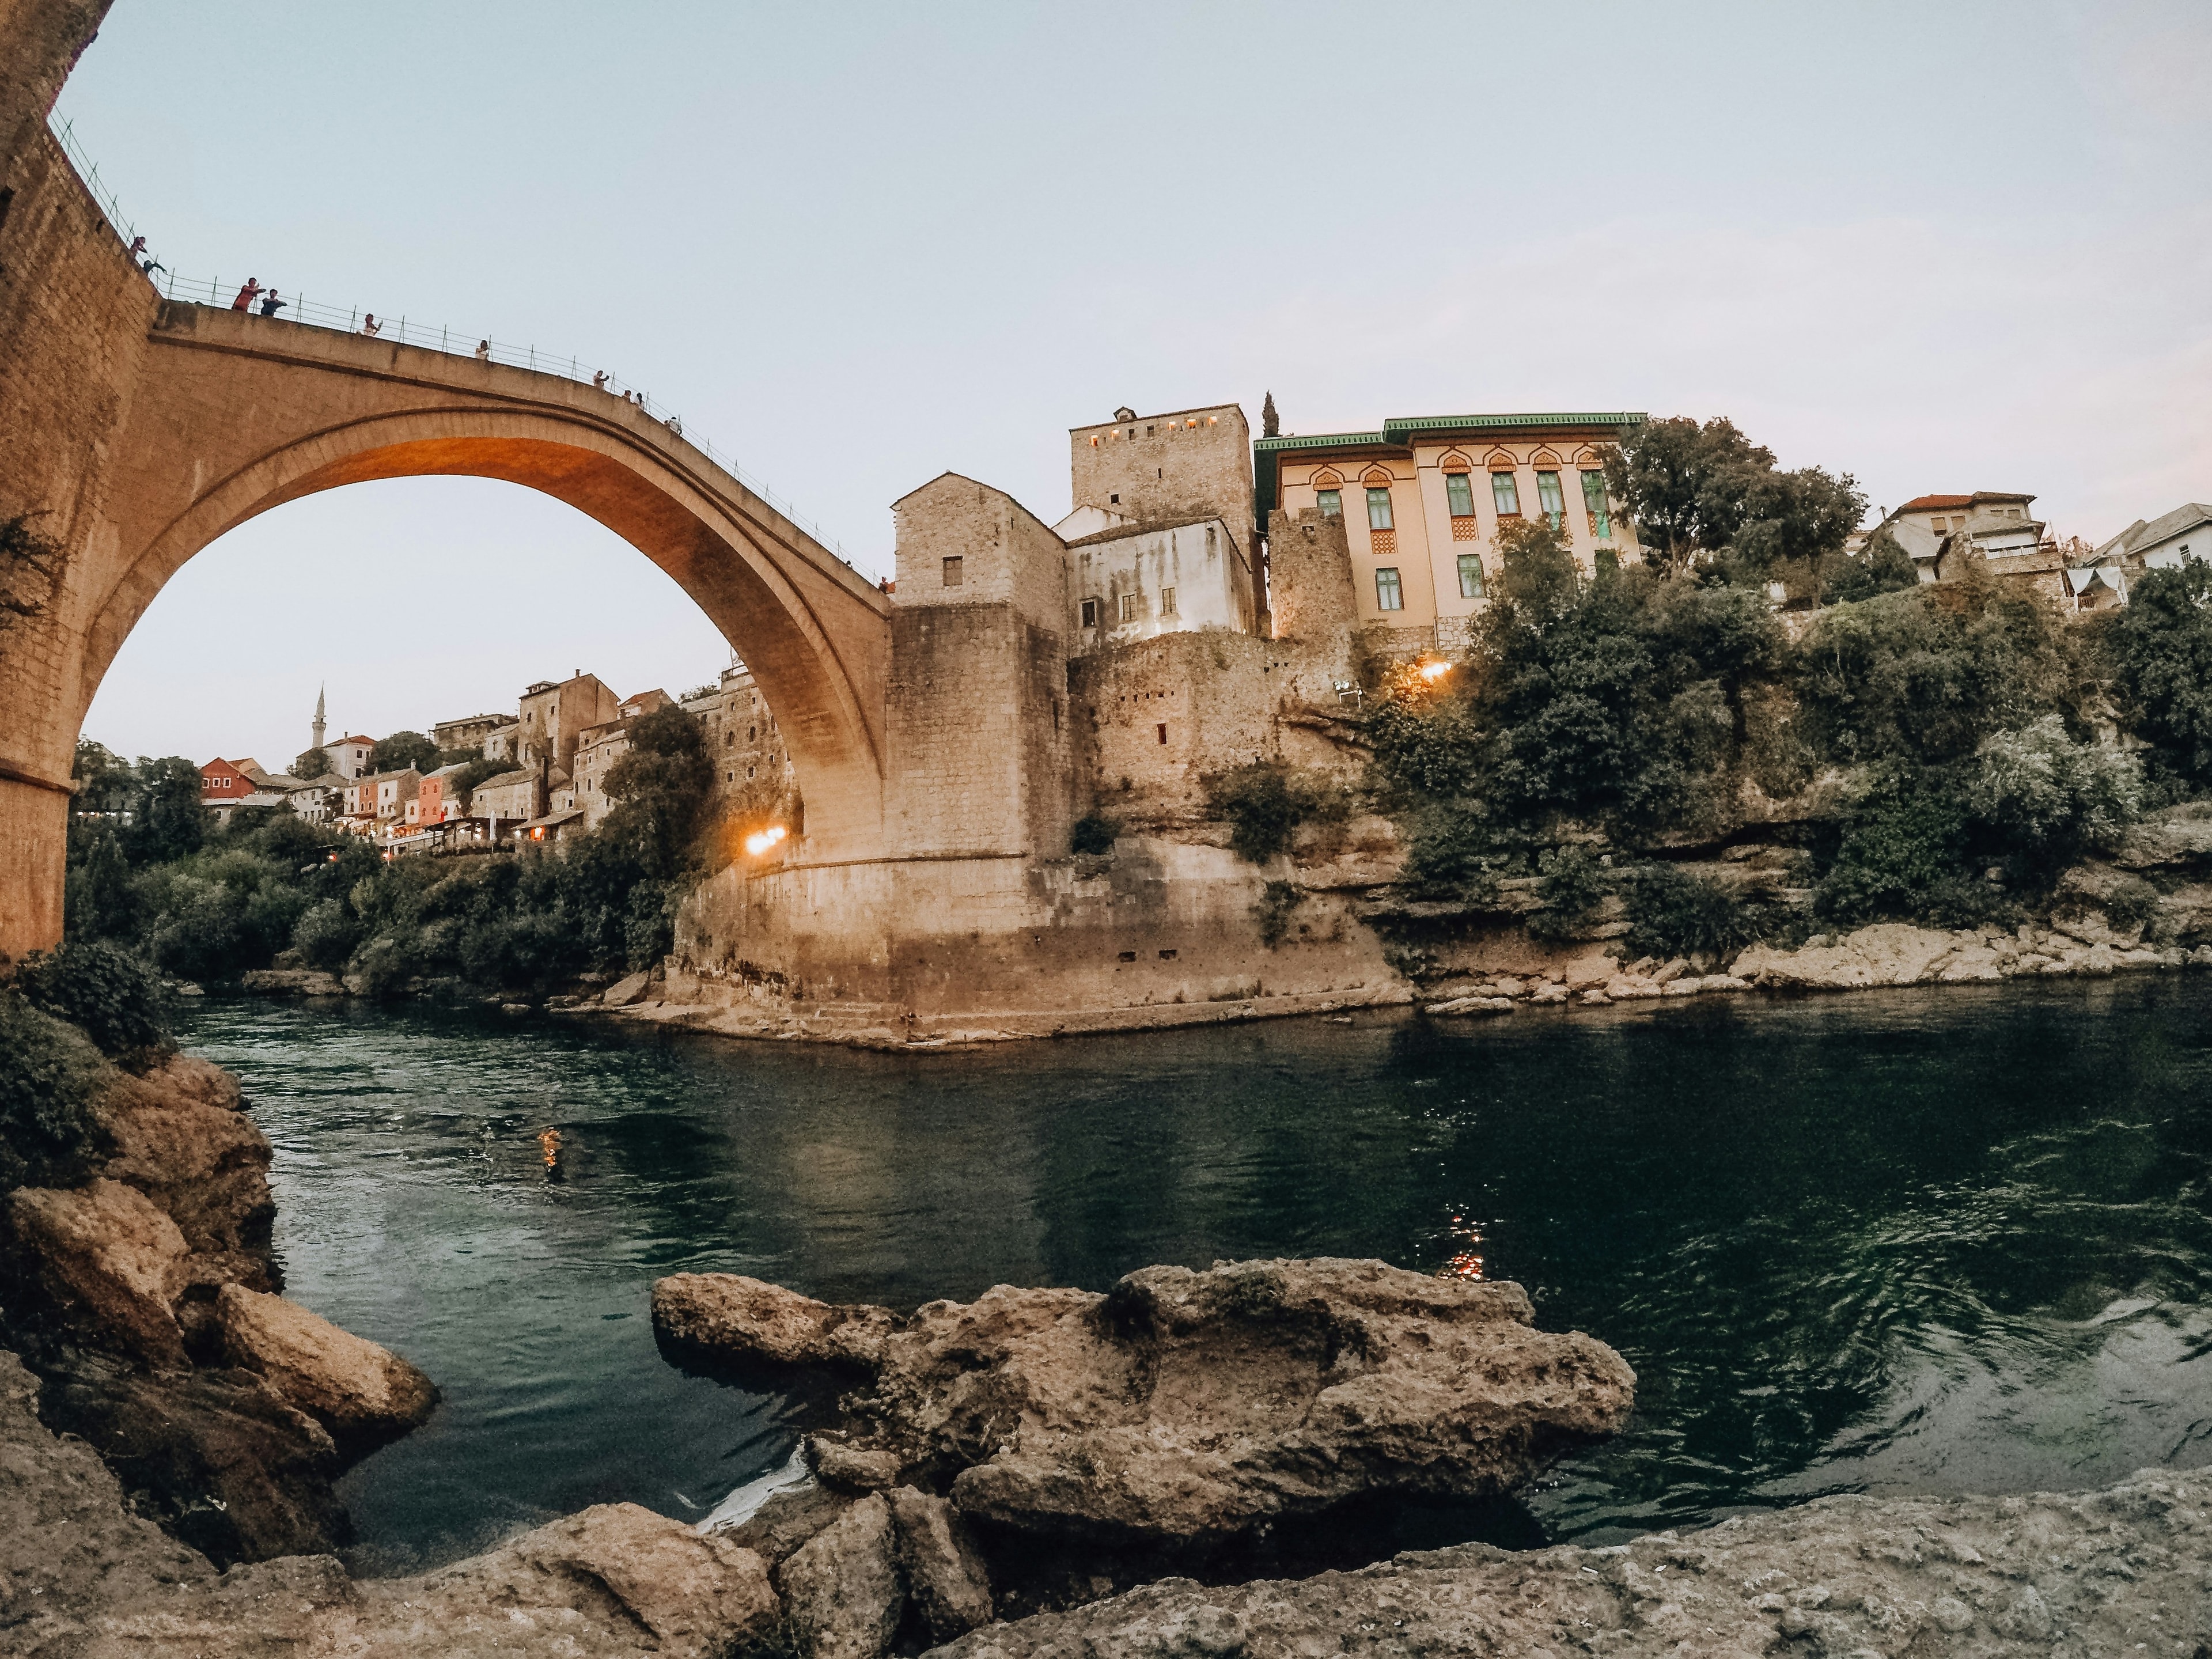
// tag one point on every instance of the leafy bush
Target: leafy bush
(1265, 802)
(2050, 797)
(403, 750)
(325, 935)
(1094, 832)
(1672, 913)
(1571, 885)
(2132, 903)
(2161, 651)
(49, 1076)
(1882, 566)
(104, 991)
(1902, 851)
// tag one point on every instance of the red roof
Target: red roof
(1951, 503)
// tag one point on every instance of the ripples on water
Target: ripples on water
(1899, 1242)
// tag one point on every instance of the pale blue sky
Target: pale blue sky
(1943, 247)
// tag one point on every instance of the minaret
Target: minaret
(318, 743)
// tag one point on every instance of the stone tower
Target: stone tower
(318, 743)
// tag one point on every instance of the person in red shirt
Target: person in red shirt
(244, 300)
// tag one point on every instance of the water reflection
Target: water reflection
(1915, 1240)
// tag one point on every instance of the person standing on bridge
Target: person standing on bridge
(370, 326)
(244, 300)
(270, 304)
(484, 351)
(599, 379)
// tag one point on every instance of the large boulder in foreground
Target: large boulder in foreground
(182, 1136)
(1193, 1409)
(2109, 1572)
(728, 1319)
(106, 1260)
(362, 1394)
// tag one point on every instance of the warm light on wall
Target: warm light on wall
(760, 840)
(1435, 671)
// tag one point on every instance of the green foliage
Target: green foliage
(402, 751)
(1093, 833)
(107, 993)
(462, 785)
(1570, 885)
(2162, 656)
(310, 764)
(106, 781)
(49, 1078)
(1882, 566)
(98, 899)
(1707, 494)
(325, 934)
(1266, 801)
(1674, 913)
(167, 819)
(1903, 853)
(2132, 903)
(1907, 674)
(662, 787)
(2050, 797)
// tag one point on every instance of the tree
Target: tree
(105, 779)
(2161, 652)
(661, 789)
(402, 750)
(1271, 424)
(169, 821)
(1882, 566)
(1707, 494)
(311, 764)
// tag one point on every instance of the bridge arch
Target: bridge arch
(235, 414)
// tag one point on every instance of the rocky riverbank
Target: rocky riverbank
(145, 1300)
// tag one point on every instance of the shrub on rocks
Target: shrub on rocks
(104, 991)
(1672, 913)
(49, 1074)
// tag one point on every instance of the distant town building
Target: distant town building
(348, 756)
(227, 782)
(501, 741)
(554, 714)
(467, 733)
(1939, 531)
(1423, 500)
(512, 797)
(2163, 542)
(752, 762)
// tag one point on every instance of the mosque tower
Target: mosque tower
(318, 743)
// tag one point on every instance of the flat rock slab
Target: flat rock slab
(2116, 1572)
(1193, 1409)
(107, 1260)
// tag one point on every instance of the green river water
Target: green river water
(1934, 1241)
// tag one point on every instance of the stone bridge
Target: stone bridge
(216, 416)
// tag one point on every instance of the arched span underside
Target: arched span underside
(234, 416)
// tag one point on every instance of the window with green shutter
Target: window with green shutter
(1506, 493)
(1593, 499)
(1388, 595)
(1470, 575)
(1331, 502)
(1554, 503)
(1378, 507)
(1460, 493)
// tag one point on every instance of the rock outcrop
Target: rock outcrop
(1187, 1410)
(2120, 1572)
(104, 1260)
(143, 1299)
(726, 1318)
(363, 1395)
(842, 1590)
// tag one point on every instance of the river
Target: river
(1898, 1241)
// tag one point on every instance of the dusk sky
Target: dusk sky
(1940, 247)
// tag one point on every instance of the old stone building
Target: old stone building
(752, 763)
(467, 733)
(554, 716)
(1423, 499)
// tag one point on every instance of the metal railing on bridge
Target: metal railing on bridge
(382, 325)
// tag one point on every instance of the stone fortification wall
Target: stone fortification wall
(977, 707)
(1309, 576)
(74, 313)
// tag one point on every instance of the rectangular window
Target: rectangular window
(1090, 613)
(1470, 575)
(1506, 493)
(1547, 493)
(1388, 595)
(1331, 502)
(1167, 601)
(1601, 516)
(955, 571)
(1163, 730)
(1460, 493)
(1128, 607)
(1378, 508)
